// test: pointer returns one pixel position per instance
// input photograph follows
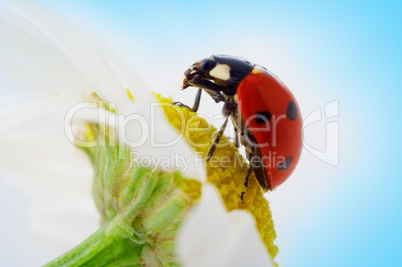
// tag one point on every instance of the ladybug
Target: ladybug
(264, 112)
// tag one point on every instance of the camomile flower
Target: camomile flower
(76, 122)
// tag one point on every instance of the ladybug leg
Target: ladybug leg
(216, 96)
(237, 141)
(202, 83)
(211, 88)
(217, 138)
(249, 172)
(180, 104)
(196, 102)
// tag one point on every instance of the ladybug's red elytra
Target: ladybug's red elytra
(264, 112)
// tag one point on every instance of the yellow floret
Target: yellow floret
(229, 179)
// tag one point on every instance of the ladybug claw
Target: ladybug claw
(180, 104)
(242, 197)
(196, 101)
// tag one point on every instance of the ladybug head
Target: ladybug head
(218, 73)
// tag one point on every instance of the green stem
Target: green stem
(141, 210)
(106, 247)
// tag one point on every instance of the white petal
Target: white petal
(53, 174)
(203, 237)
(35, 152)
(30, 66)
(160, 145)
(211, 236)
(246, 247)
(46, 30)
(152, 140)
(42, 44)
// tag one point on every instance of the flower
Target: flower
(141, 208)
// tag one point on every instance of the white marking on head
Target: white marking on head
(221, 71)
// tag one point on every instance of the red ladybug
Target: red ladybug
(263, 110)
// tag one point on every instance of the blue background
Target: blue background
(348, 215)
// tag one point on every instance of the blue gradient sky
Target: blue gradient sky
(349, 215)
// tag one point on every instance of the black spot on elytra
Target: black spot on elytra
(292, 111)
(263, 117)
(285, 164)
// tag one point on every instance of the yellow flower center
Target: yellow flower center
(227, 170)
